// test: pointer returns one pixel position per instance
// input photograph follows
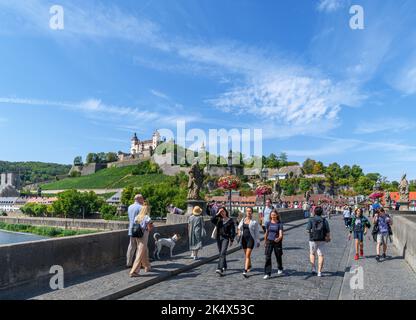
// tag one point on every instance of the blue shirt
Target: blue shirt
(383, 224)
(273, 229)
(266, 215)
(133, 211)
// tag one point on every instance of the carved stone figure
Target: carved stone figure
(404, 189)
(308, 195)
(196, 179)
(388, 199)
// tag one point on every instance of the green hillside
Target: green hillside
(109, 178)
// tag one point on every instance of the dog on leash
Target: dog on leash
(164, 242)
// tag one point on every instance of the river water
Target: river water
(15, 237)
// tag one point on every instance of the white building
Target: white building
(139, 147)
(8, 204)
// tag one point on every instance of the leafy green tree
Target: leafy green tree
(308, 166)
(364, 185)
(304, 184)
(78, 161)
(74, 204)
(283, 159)
(92, 158)
(318, 168)
(111, 157)
(356, 171)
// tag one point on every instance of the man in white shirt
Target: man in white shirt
(133, 211)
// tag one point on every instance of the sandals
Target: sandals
(134, 275)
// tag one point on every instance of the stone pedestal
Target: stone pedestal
(193, 203)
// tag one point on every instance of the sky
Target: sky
(295, 69)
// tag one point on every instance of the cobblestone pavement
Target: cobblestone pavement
(391, 279)
(296, 282)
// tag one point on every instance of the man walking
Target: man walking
(133, 211)
(265, 216)
(319, 235)
(383, 223)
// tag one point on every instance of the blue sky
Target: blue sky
(296, 69)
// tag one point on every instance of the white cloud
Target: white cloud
(384, 125)
(159, 94)
(330, 5)
(96, 108)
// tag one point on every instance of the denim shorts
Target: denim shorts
(359, 235)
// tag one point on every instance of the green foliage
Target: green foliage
(34, 172)
(364, 185)
(43, 231)
(78, 161)
(101, 157)
(304, 185)
(108, 211)
(35, 210)
(146, 167)
(74, 204)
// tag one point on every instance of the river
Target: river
(16, 237)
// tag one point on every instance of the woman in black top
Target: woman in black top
(225, 237)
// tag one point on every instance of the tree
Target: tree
(92, 158)
(111, 157)
(308, 166)
(283, 159)
(78, 161)
(304, 184)
(272, 161)
(346, 172)
(318, 168)
(356, 171)
(364, 185)
(72, 203)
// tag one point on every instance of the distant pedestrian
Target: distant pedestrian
(306, 208)
(347, 216)
(224, 233)
(319, 235)
(142, 254)
(174, 210)
(249, 236)
(265, 215)
(133, 211)
(359, 226)
(273, 243)
(196, 232)
(382, 225)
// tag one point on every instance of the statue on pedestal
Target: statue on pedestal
(196, 179)
(404, 194)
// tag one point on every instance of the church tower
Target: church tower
(155, 140)
(134, 144)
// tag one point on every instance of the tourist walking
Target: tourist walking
(319, 235)
(265, 215)
(347, 216)
(359, 226)
(248, 233)
(306, 207)
(133, 211)
(196, 232)
(273, 243)
(142, 254)
(224, 233)
(382, 229)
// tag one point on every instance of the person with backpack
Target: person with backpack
(273, 243)
(382, 231)
(359, 226)
(319, 235)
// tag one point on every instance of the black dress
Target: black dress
(247, 240)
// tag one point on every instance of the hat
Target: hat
(196, 211)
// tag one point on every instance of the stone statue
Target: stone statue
(404, 189)
(387, 197)
(277, 192)
(308, 195)
(196, 179)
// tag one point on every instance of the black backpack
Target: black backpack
(137, 231)
(318, 232)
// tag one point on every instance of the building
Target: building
(8, 204)
(115, 199)
(145, 146)
(9, 185)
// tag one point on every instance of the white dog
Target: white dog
(164, 242)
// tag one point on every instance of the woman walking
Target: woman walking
(249, 235)
(196, 232)
(359, 226)
(142, 253)
(347, 217)
(224, 233)
(273, 243)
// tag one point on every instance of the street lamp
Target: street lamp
(230, 171)
(264, 176)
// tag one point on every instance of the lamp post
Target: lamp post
(264, 176)
(230, 171)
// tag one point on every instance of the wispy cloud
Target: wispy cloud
(330, 5)
(384, 125)
(96, 108)
(159, 94)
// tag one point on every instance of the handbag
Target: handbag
(137, 230)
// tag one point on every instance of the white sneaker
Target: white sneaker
(279, 272)
(219, 271)
(319, 274)
(266, 277)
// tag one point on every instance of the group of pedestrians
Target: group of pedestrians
(247, 235)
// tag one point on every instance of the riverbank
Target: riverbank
(43, 231)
